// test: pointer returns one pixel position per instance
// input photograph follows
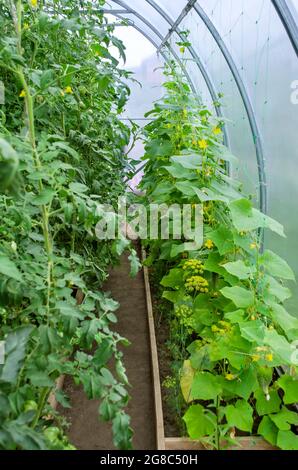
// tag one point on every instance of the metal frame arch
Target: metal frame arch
(137, 28)
(288, 21)
(158, 34)
(210, 85)
(246, 101)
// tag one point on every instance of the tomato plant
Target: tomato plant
(61, 152)
(228, 319)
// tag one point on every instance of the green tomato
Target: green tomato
(30, 405)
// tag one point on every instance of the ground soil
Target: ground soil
(86, 431)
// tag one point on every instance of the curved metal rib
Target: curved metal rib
(159, 35)
(288, 21)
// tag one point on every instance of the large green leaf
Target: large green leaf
(287, 440)
(284, 419)
(174, 279)
(199, 422)
(240, 415)
(9, 269)
(253, 331)
(246, 218)
(15, 353)
(266, 404)
(191, 162)
(223, 240)
(276, 266)
(268, 430)
(287, 322)
(241, 297)
(205, 386)
(289, 385)
(239, 269)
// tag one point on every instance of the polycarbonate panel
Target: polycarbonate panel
(268, 65)
(140, 25)
(240, 135)
(173, 7)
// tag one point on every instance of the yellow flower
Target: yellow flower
(269, 357)
(203, 144)
(182, 49)
(68, 90)
(253, 318)
(256, 358)
(230, 377)
(22, 94)
(217, 130)
(209, 244)
(26, 26)
(185, 113)
(34, 3)
(214, 328)
(253, 246)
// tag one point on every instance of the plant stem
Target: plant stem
(42, 400)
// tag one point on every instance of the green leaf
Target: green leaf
(205, 386)
(286, 321)
(235, 317)
(276, 266)
(15, 352)
(289, 385)
(239, 269)
(44, 197)
(122, 432)
(185, 188)
(177, 171)
(287, 440)
(245, 384)
(78, 188)
(191, 162)
(223, 240)
(284, 419)
(275, 288)
(241, 297)
(279, 346)
(267, 404)
(186, 380)
(40, 379)
(199, 422)
(174, 279)
(135, 264)
(245, 218)
(253, 331)
(268, 430)
(67, 149)
(9, 269)
(240, 415)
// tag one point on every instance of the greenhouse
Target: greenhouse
(148, 227)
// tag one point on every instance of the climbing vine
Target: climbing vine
(238, 375)
(61, 153)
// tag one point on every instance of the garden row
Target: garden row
(61, 153)
(229, 332)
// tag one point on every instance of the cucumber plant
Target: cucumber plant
(227, 299)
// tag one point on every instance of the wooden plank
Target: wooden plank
(245, 443)
(160, 434)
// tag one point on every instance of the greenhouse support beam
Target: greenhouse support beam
(199, 63)
(158, 34)
(247, 103)
(180, 18)
(288, 21)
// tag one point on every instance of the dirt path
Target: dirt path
(86, 431)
